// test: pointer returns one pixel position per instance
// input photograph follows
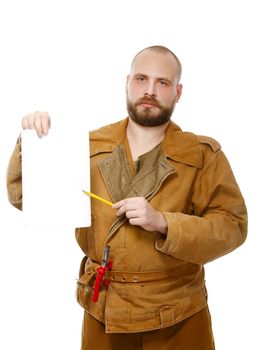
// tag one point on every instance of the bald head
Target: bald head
(164, 51)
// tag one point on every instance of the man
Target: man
(176, 207)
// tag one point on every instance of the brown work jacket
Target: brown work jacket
(156, 280)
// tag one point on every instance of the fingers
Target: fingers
(136, 209)
(37, 122)
(40, 121)
(140, 212)
(45, 123)
(25, 122)
(128, 206)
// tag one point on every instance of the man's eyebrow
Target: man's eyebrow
(165, 79)
(140, 74)
(157, 78)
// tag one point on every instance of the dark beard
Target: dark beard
(145, 118)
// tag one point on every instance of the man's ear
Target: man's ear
(127, 80)
(179, 91)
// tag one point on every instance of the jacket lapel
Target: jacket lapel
(121, 183)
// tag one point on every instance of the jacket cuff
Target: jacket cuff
(171, 242)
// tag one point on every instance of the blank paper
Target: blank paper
(55, 170)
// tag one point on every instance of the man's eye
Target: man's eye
(163, 82)
(140, 79)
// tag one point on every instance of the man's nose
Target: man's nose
(150, 89)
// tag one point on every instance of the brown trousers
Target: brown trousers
(194, 333)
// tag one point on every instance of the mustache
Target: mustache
(150, 100)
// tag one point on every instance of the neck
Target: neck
(142, 138)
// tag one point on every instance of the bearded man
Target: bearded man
(176, 206)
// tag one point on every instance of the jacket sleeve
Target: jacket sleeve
(14, 177)
(219, 221)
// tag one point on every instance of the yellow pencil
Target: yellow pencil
(98, 198)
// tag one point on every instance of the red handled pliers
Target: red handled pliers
(105, 266)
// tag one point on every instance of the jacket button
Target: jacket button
(123, 279)
(135, 279)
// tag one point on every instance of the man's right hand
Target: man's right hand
(40, 121)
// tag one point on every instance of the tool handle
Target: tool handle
(106, 254)
(100, 275)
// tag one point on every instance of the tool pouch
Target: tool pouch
(87, 276)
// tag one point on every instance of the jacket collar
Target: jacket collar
(177, 145)
(182, 146)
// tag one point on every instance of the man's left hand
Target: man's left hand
(140, 212)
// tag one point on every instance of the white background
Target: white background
(71, 57)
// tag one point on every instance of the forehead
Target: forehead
(155, 64)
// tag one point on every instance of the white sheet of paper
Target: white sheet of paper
(55, 170)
